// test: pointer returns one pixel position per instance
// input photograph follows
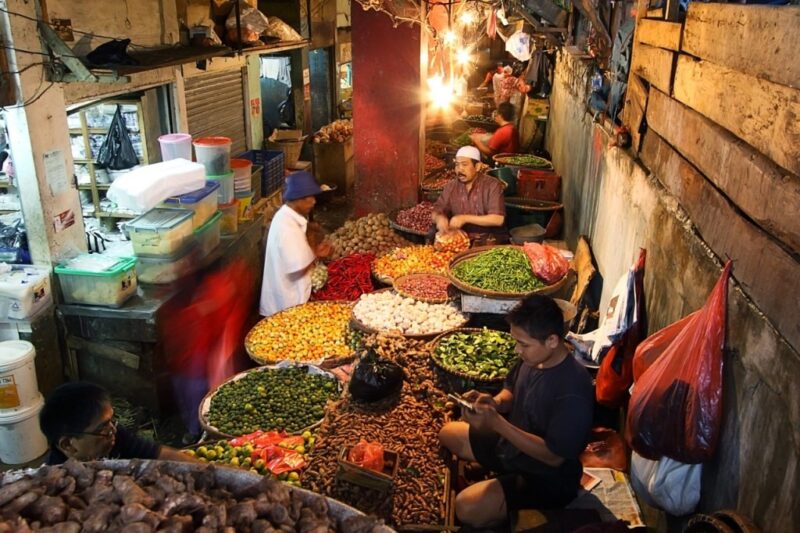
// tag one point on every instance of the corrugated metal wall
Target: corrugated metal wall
(215, 106)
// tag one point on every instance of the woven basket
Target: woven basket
(469, 289)
(451, 291)
(205, 405)
(531, 205)
(387, 280)
(325, 362)
(435, 344)
(499, 159)
(290, 148)
(360, 326)
(395, 225)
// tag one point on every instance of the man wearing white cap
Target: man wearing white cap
(473, 202)
(290, 253)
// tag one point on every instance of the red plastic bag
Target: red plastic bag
(367, 455)
(615, 375)
(546, 262)
(676, 406)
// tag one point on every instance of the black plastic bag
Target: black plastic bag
(117, 151)
(375, 379)
(112, 53)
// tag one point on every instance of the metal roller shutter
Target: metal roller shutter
(215, 106)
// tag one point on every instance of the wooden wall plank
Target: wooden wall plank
(635, 108)
(767, 194)
(654, 65)
(762, 41)
(764, 114)
(766, 271)
(659, 33)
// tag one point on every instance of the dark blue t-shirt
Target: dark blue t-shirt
(127, 445)
(556, 404)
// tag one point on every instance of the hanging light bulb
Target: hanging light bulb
(463, 57)
(467, 18)
(441, 93)
(449, 37)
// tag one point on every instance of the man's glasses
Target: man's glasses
(106, 430)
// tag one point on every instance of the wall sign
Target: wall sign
(55, 171)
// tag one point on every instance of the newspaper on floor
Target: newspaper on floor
(612, 497)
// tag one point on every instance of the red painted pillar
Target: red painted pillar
(386, 111)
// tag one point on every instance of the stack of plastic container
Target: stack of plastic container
(21, 439)
(94, 279)
(214, 153)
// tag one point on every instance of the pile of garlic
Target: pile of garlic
(387, 311)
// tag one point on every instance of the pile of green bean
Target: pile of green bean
(500, 270)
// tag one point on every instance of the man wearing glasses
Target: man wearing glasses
(78, 421)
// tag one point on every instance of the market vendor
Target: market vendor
(78, 421)
(530, 434)
(473, 203)
(505, 140)
(292, 247)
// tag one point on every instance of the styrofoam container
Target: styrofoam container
(149, 185)
(214, 153)
(202, 201)
(160, 231)
(157, 270)
(176, 146)
(208, 235)
(21, 438)
(95, 279)
(225, 191)
(24, 291)
(18, 385)
(229, 222)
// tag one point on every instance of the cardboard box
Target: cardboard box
(334, 164)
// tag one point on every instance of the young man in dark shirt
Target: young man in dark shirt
(78, 421)
(548, 402)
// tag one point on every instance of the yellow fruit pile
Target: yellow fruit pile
(309, 332)
(411, 260)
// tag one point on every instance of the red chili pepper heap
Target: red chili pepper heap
(348, 278)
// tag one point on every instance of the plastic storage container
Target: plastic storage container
(208, 235)
(157, 270)
(21, 439)
(214, 153)
(160, 231)
(24, 291)
(229, 221)
(202, 201)
(225, 191)
(176, 146)
(245, 204)
(95, 279)
(242, 173)
(18, 385)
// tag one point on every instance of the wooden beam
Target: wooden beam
(659, 33)
(767, 273)
(654, 65)
(635, 107)
(763, 191)
(105, 351)
(655, 13)
(764, 114)
(758, 40)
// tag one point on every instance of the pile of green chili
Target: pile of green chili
(524, 161)
(500, 270)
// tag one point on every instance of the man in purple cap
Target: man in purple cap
(290, 253)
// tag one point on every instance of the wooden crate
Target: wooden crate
(334, 164)
(365, 477)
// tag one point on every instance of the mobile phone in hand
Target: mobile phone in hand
(461, 401)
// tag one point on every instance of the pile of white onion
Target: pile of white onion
(387, 311)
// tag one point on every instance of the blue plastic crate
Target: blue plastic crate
(273, 163)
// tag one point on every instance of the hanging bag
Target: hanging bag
(117, 151)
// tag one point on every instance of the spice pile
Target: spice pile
(290, 399)
(485, 354)
(524, 160)
(155, 496)
(387, 311)
(502, 269)
(423, 287)
(418, 218)
(480, 118)
(410, 428)
(451, 241)
(432, 164)
(337, 131)
(437, 182)
(310, 332)
(348, 278)
(410, 260)
(436, 148)
(464, 140)
(371, 234)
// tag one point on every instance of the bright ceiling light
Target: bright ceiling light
(463, 57)
(467, 18)
(449, 37)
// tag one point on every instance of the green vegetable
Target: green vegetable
(286, 398)
(501, 270)
(524, 161)
(486, 354)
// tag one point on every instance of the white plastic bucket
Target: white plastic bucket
(21, 439)
(176, 145)
(18, 385)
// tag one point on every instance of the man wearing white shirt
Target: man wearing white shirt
(290, 256)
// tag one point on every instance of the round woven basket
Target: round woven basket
(469, 289)
(248, 345)
(530, 205)
(435, 344)
(399, 281)
(205, 404)
(357, 324)
(403, 229)
(500, 160)
(388, 280)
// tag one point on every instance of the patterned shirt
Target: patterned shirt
(485, 198)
